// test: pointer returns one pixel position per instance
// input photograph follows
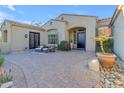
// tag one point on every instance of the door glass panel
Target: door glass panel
(81, 40)
(34, 40)
(31, 40)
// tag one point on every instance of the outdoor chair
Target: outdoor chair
(39, 49)
(51, 49)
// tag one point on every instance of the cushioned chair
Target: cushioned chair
(45, 50)
(51, 49)
(39, 49)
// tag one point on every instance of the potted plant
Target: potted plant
(105, 58)
(1, 69)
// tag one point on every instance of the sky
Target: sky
(43, 13)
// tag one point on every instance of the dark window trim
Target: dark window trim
(34, 40)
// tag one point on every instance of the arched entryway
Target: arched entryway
(77, 37)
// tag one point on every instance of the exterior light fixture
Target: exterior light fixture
(26, 36)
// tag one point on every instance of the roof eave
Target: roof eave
(14, 23)
(116, 13)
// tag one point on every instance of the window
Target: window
(52, 37)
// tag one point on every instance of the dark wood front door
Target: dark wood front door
(34, 40)
(81, 40)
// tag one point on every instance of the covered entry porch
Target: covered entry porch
(77, 37)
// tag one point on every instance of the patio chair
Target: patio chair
(45, 50)
(39, 49)
(51, 49)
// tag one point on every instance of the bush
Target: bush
(106, 44)
(6, 78)
(1, 61)
(64, 46)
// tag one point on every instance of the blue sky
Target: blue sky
(42, 13)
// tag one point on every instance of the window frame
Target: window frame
(53, 38)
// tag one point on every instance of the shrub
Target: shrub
(107, 45)
(64, 46)
(6, 78)
(1, 61)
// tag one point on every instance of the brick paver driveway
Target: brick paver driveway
(59, 69)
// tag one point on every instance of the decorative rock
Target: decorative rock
(97, 86)
(122, 65)
(7, 85)
(107, 83)
(116, 86)
(111, 79)
(122, 78)
(118, 82)
(94, 65)
(101, 84)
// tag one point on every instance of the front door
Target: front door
(34, 40)
(81, 39)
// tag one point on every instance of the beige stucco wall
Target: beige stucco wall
(16, 40)
(4, 47)
(19, 42)
(60, 28)
(7, 27)
(74, 21)
(83, 21)
(118, 35)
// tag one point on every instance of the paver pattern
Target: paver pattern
(55, 70)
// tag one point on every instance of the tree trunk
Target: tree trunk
(101, 46)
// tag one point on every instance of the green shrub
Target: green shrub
(106, 44)
(64, 46)
(6, 78)
(1, 61)
(98, 47)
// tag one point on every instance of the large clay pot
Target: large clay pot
(107, 60)
(1, 73)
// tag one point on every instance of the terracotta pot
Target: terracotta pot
(1, 73)
(106, 59)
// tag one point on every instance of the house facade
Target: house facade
(117, 24)
(18, 36)
(80, 30)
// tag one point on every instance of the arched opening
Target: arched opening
(77, 37)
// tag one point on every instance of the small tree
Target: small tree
(101, 39)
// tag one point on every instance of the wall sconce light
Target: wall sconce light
(26, 36)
